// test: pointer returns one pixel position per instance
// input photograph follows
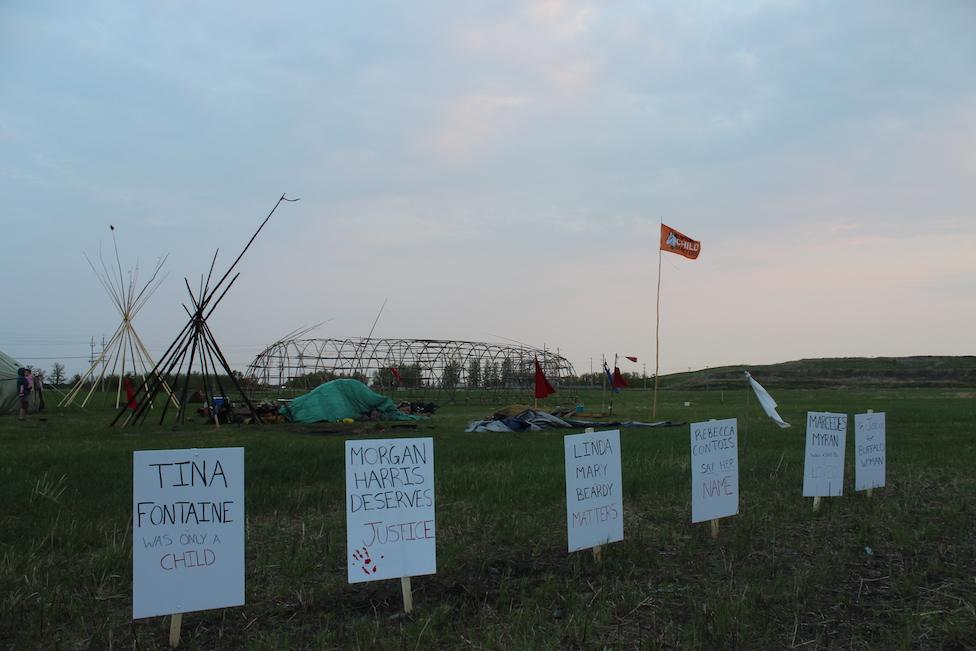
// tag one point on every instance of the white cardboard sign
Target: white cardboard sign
(390, 508)
(823, 468)
(594, 502)
(714, 469)
(187, 530)
(869, 451)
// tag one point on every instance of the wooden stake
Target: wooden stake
(407, 594)
(714, 523)
(175, 624)
(816, 503)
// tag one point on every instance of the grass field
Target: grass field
(896, 570)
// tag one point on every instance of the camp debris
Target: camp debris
(341, 399)
(513, 419)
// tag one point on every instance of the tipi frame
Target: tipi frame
(125, 352)
(196, 344)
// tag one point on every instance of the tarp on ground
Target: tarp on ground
(533, 420)
(339, 399)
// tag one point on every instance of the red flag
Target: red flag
(618, 379)
(396, 375)
(632, 358)
(542, 386)
(130, 394)
(675, 242)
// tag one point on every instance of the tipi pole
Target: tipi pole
(101, 360)
(146, 362)
(657, 335)
(230, 373)
(76, 389)
(118, 388)
(161, 370)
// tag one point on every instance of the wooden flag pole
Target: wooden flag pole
(657, 333)
(175, 624)
(603, 383)
(407, 594)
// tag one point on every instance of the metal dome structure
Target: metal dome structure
(301, 363)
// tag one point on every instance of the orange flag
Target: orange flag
(675, 242)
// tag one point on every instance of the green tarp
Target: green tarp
(338, 399)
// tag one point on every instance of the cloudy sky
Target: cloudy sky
(498, 170)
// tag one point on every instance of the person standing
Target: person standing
(23, 391)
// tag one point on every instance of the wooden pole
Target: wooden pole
(657, 334)
(714, 524)
(816, 503)
(175, 624)
(407, 594)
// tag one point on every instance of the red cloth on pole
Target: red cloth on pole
(618, 379)
(632, 358)
(542, 386)
(396, 375)
(130, 394)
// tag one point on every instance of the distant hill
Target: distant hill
(922, 371)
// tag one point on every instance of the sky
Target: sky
(497, 171)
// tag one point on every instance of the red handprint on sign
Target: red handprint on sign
(365, 562)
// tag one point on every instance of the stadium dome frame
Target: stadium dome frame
(421, 363)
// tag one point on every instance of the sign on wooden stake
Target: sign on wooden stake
(714, 471)
(187, 532)
(823, 467)
(390, 532)
(594, 502)
(869, 451)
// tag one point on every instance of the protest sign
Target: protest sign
(187, 530)
(594, 502)
(823, 467)
(390, 508)
(869, 451)
(714, 469)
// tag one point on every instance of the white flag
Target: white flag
(767, 402)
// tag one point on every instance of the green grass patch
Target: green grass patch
(897, 570)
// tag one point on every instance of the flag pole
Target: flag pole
(657, 329)
(613, 388)
(603, 392)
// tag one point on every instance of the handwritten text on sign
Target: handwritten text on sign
(869, 451)
(187, 530)
(823, 468)
(714, 469)
(594, 502)
(390, 508)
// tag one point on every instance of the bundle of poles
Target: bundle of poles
(195, 344)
